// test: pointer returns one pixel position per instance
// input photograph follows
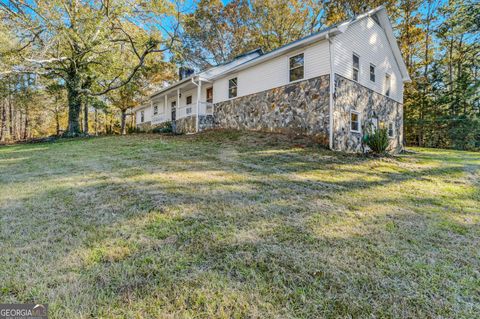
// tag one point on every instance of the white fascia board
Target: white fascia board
(394, 45)
(140, 107)
(174, 85)
(287, 48)
(207, 74)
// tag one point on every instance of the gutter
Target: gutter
(285, 49)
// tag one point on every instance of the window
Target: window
(174, 104)
(372, 72)
(142, 116)
(232, 88)
(387, 84)
(356, 67)
(155, 110)
(189, 100)
(210, 95)
(391, 129)
(354, 121)
(296, 67)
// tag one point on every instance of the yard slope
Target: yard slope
(229, 224)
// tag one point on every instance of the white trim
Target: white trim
(374, 73)
(186, 100)
(389, 76)
(199, 93)
(228, 88)
(290, 69)
(359, 122)
(354, 68)
(295, 45)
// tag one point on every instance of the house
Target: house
(333, 85)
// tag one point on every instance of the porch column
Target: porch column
(199, 92)
(178, 98)
(165, 105)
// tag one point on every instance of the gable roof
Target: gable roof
(256, 56)
(323, 34)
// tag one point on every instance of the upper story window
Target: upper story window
(142, 116)
(189, 100)
(297, 63)
(355, 122)
(155, 110)
(210, 95)
(356, 67)
(388, 84)
(372, 72)
(232, 88)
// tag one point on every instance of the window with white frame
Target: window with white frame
(391, 129)
(296, 66)
(155, 110)
(388, 84)
(189, 100)
(232, 88)
(356, 67)
(355, 124)
(372, 72)
(142, 116)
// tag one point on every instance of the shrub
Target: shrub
(163, 128)
(378, 141)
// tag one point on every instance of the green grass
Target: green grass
(236, 225)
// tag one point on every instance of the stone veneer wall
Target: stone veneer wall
(350, 95)
(145, 126)
(206, 122)
(297, 108)
(186, 125)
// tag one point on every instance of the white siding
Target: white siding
(274, 73)
(148, 115)
(367, 39)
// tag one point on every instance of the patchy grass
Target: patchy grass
(235, 225)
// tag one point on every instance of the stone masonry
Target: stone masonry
(186, 125)
(299, 108)
(352, 96)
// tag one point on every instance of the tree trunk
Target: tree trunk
(85, 116)
(124, 122)
(25, 129)
(106, 122)
(10, 114)
(57, 121)
(96, 122)
(74, 105)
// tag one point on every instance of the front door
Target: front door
(174, 110)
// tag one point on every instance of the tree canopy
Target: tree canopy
(113, 50)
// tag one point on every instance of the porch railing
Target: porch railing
(205, 108)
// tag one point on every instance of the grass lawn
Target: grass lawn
(236, 225)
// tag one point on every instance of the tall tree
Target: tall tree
(75, 40)
(216, 32)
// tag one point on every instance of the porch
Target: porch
(189, 98)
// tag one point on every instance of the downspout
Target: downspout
(331, 92)
(199, 91)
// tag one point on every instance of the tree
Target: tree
(56, 92)
(215, 32)
(76, 41)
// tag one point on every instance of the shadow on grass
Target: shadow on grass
(251, 239)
